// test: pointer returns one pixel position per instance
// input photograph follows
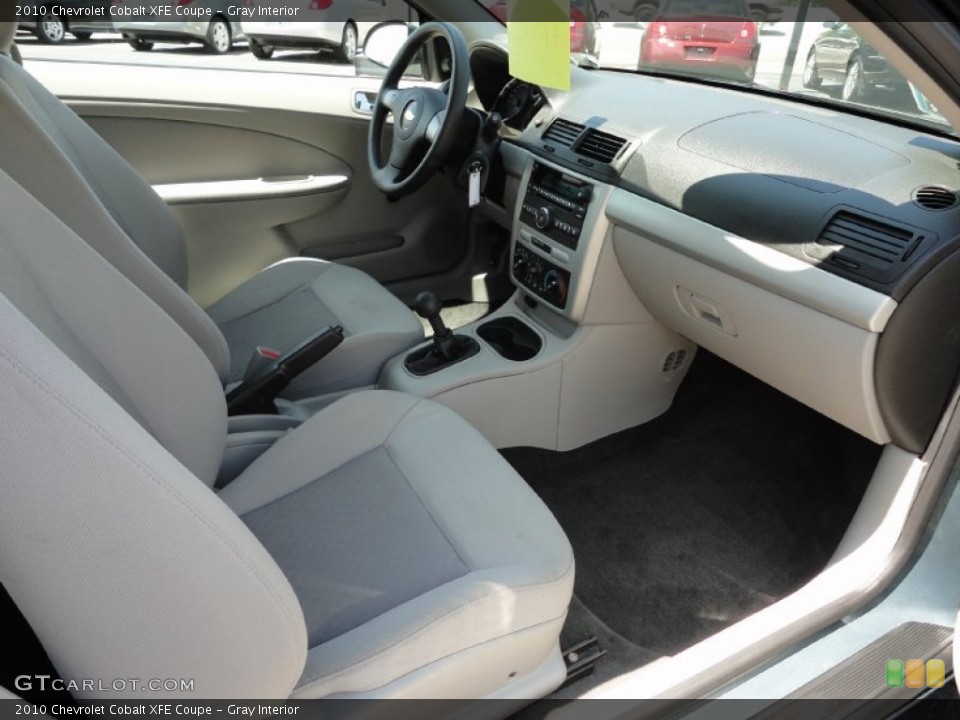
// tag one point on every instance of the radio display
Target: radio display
(554, 181)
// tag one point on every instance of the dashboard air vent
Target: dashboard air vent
(563, 132)
(856, 240)
(601, 146)
(935, 197)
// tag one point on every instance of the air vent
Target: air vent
(935, 197)
(854, 240)
(562, 132)
(601, 146)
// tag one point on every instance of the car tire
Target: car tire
(83, 36)
(139, 44)
(853, 84)
(811, 73)
(51, 30)
(347, 52)
(219, 39)
(645, 11)
(758, 14)
(259, 50)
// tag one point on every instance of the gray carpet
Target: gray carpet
(732, 499)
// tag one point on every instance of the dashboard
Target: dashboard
(814, 248)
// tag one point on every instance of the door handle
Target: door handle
(364, 101)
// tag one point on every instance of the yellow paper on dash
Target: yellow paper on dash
(538, 33)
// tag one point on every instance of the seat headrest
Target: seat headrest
(8, 32)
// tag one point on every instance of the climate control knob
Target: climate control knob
(542, 218)
(555, 288)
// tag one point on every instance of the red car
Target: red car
(713, 38)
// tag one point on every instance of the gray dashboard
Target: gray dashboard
(776, 172)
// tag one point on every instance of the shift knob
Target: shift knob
(428, 305)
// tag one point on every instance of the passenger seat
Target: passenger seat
(381, 549)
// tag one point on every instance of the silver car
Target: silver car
(207, 22)
(345, 24)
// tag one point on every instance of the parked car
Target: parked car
(716, 38)
(344, 26)
(210, 25)
(51, 28)
(840, 56)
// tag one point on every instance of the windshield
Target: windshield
(774, 45)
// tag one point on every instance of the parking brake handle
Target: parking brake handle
(269, 372)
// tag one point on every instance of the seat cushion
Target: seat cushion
(407, 539)
(293, 299)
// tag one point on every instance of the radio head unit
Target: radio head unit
(556, 204)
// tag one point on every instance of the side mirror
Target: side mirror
(384, 41)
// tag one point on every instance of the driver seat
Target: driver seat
(54, 155)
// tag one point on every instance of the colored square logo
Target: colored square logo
(936, 670)
(914, 673)
(895, 673)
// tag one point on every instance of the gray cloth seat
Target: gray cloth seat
(381, 549)
(61, 161)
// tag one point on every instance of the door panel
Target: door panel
(183, 143)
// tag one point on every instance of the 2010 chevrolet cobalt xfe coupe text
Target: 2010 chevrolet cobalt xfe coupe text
(485, 369)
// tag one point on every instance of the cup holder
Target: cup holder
(511, 338)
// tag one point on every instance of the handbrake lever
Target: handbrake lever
(270, 372)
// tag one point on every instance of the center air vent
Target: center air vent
(562, 132)
(853, 241)
(935, 197)
(600, 146)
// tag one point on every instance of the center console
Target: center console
(552, 231)
(573, 356)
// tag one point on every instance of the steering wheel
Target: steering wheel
(426, 120)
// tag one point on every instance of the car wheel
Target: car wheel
(219, 40)
(139, 44)
(51, 30)
(758, 14)
(811, 73)
(853, 85)
(347, 52)
(83, 36)
(645, 12)
(261, 51)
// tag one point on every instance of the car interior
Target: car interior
(457, 387)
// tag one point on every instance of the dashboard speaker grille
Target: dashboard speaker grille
(935, 197)
(563, 132)
(674, 361)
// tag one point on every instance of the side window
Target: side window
(315, 37)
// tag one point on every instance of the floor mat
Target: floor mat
(732, 499)
(456, 316)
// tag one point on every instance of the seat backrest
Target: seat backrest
(53, 154)
(112, 427)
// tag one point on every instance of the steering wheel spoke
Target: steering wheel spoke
(434, 126)
(389, 97)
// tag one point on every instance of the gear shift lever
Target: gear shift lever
(428, 306)
(447, 348)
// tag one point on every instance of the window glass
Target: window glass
(325, 38)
